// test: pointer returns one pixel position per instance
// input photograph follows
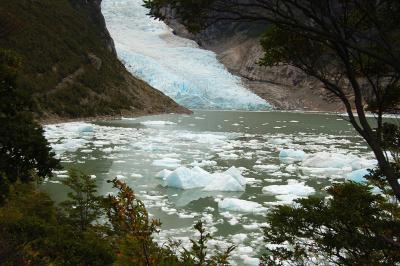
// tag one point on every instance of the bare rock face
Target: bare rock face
(94, 15)
(238, 48)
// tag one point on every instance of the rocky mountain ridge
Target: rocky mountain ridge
(69, 64)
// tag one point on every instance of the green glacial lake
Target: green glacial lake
(316, 150)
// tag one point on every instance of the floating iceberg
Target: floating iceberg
(358, 176)
(324, 163)
(336, 160)
(185, 178)
(290, 155)
(163, 174)
(238, 205)
(193, 77)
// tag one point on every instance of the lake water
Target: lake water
(137, 149)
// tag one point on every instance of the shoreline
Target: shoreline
(58, 120)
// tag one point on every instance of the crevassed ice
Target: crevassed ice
(193, 77)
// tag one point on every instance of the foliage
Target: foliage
(134, 232)
(353, 227)
(130, 221)
(198, 254)
(33, 232)
(24, 152)
(83, 207)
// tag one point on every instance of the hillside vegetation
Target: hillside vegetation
(69, 64)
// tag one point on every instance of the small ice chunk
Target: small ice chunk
(245, 250)
(167, 162)
(204, 163)
(254, 226)
(78, 127)
(266, 168)
(107, 150)
(238, 205)
(238, 238)
(119, 177)
(185, 216)
(250, 261)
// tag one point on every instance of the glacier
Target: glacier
(191, 76)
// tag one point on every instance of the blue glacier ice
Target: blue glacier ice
(358, 176)
(193, 77)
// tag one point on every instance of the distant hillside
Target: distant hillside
(69, 62)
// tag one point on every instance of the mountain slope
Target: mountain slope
(69, 62)
(237, 45)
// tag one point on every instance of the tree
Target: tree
(34, 232)
(133, 230)
(24, 152)
(352, 47)
(353, 227)
(131, 223)
(198, 254)
(83, 207)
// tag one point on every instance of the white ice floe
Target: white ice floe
(324, 163)
(238, 205)
(120, 177)
(68, 137)
(266, 168)
(254, 226)
(291, 155)
(167, 162)
(250, 261)
(204, 138)
(157, 123)
(238, 238)
(186, 178)
(204, 163)
(287, 193)
(79, 127)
